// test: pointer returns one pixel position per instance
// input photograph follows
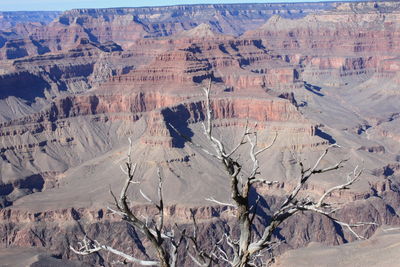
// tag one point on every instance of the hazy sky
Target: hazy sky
(11, 5)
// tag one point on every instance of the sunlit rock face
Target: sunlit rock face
(75, 86)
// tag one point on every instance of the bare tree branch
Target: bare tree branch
(349, 226)
(202, 257)
(164, 242)
(306, 174)
(350, 181)
(267, 147)
(241, 142)
(88, 247)
(211, 199)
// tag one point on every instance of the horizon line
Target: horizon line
(203, 4)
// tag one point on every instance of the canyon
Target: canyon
(76, 85)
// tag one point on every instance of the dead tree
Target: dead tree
(163, 240)
(247, 249)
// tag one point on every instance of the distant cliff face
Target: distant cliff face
(11, 19)
(164, 21)
(125, 25)
(74, 90)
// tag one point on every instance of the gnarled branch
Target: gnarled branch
(87, 247)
